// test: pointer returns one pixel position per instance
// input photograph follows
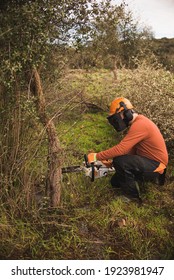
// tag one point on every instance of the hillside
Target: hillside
(164, 49)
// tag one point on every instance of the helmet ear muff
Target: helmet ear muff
(128, 114)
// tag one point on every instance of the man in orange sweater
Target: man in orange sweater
(141, 154)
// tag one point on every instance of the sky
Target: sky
(157, 14)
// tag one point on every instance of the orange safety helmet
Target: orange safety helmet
(117, 108)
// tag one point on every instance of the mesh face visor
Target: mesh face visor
(117, 122)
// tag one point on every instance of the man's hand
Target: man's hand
(107, 163)
(92, 157)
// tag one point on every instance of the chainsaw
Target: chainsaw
(93, 170)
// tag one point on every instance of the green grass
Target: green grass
(90, 132)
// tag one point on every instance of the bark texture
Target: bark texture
(54, 149)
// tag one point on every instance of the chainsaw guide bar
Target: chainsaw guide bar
(93, 170)
(71, 169)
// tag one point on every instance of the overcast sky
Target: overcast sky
(158, 14)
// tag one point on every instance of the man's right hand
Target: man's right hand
(107, 163)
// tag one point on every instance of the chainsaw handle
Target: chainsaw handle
(92, 167)
(86, 160)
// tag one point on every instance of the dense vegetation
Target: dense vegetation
(62, 63)
(88, 224)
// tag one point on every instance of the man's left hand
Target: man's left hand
(92, 157)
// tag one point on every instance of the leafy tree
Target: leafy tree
(29, 30)
(114, 37)
(135, 43)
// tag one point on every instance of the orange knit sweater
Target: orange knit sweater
(143, 138)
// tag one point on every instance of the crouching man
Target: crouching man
(142, 153)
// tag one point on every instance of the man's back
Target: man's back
(150, 142)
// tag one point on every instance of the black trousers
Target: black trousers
(132, 169)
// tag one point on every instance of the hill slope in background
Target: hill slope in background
(164, 49)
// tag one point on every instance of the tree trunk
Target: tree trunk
(115, 69)
(54, 149)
